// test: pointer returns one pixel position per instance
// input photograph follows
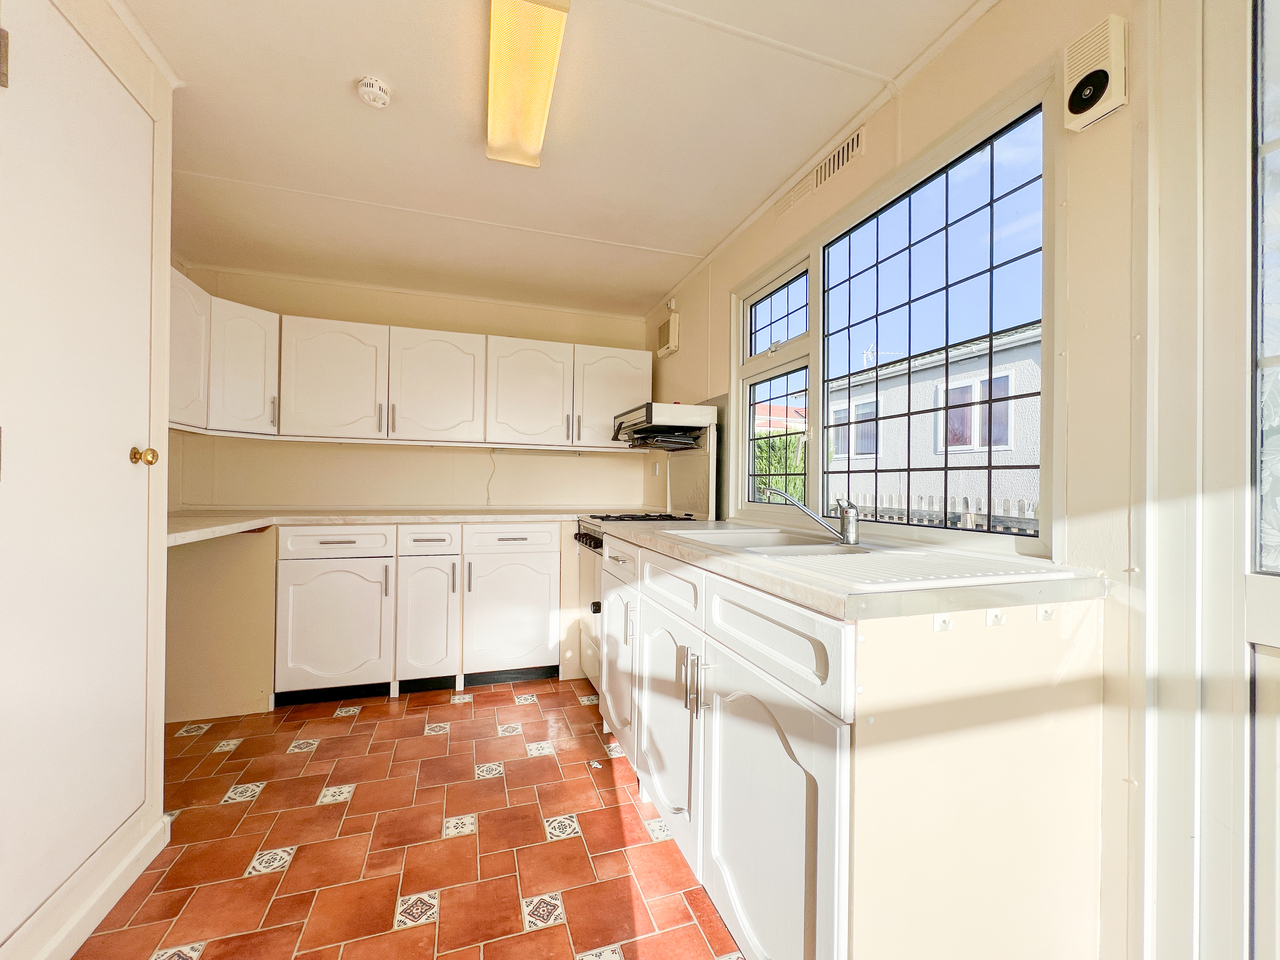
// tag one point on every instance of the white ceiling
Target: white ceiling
(669, 125)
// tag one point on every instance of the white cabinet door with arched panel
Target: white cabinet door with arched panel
(335, 622)
(620, 616)
(607, 381)
(530, 392)
(436, 383)
(511, 611)
(333, 378)
(427, 618)
(244, 368)
(189, 309)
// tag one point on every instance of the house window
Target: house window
(778, 411)
(779, 317)
(931, 335)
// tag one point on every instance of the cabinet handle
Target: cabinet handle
(512, 539)
(386, 579)
(695, 676)
(684, 673)
(579, 426)
(430, 539)
(468, 576)
(618, 559)
(453, 578)
(273, 412)
(379, 418)
(336, 543)
(568, 427)
(393, 418)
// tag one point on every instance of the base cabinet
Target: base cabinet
(511, 611)
(428, 618)
(620, 606)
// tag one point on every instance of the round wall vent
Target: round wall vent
(374, 92)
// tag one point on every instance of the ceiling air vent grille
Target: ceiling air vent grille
(823, 172)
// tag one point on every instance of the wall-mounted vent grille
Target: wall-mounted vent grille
(823, 172)
(1089, 52)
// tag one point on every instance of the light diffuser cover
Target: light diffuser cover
(524, 51)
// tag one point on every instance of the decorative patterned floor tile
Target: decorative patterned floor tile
(658, 829)
(542, 911)
(193, 730)
(417, 908)
(558, 828)
(460, 698)
(303, 746)
(226, 746)
(336, 794)
(614, 750)
(507, 729)
(244, 791)
(191, 951)
(608, 953)
(588, 701)
(542, 748)
(459, 826)
(526, 698)
(269, 861)
(347, 712)
(487, 771)
(435, 729)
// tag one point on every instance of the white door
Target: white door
(770, 757)
(333, 378)
(621, 619)
(530, 392)
(76, 314)
(189, 310)
(668, 748)
(511, 611)
(437, 385)
(335, 623)
(607, 381)
(244, 368)
(427, 618)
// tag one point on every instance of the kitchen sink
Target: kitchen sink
(808, 549)
(752, 538)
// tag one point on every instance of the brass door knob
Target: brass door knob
(148, 456)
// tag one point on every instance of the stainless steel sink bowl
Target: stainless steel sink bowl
(750, 538)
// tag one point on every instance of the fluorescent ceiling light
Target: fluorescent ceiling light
(524, 50)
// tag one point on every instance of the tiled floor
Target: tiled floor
(497, 824)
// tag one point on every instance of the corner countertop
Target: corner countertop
(890, 580)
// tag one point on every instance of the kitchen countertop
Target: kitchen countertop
(891, 580)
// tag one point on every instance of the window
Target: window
(1267, 303)
(779, 423)
(932, 319)
(779, 317)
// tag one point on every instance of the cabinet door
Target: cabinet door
(621, 616)
(436, 383)
(427, 618)
(333, 378)
(511, 611)
(607, 381)
(770, 758)
(244, 368)
(668, 750)
(530, 391)
(335, 623)
(189, 309)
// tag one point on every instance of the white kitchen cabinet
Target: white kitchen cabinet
(244, 368)
(428, 618)
(770, 758)
(529, 392)
(436, 382)
(511, 611)
(335, 622)
(333, 378)
(607, 381)
(620, 638)
(668, 748)
(189, 310)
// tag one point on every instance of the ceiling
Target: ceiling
(669, 125)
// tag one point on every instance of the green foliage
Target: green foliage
(774, 454)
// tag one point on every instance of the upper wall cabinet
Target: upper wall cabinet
(189, 309)
(607, 381)
(333, 378)
(437, 385)
(530, 392)
(244, 368)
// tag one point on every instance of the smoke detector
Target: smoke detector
(374, 92)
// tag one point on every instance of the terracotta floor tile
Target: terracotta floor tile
(531, 771)
(359, 769)
(473, 729)
(449, 713)
(312, 711)
(559, 865)
(683, 943)
(162, 906)
(610, 865)
(197, 793)
(478, 912)
(199, 824)
(660, 869)
(520, 687)
(407, 825)
(353, 746)
(553, 728)
(164, 858)
(400, 729)
(580, 749)
(668, 912)
(428, 698)
(354, 825)
(614, 772)
(521, 795)
(381, 795)
(493, 698)
(318, 768)
(611, 828)
(376, 713)
(276, 944)
(497, 749)
(279, 766)
(472, 796)
(211, 861)
(325, 864)
(470, 953)
(606, 912)
(428, 795)
(549, 943)
(612, 796)
(255, 727)
(520, 713)
(561, 698)
(573, 771)
(405, 768)
(221, 909)
(251, 747)
(713, 928)
(414, 943)
(382, 746)
(461, 746)
(211, 765)
(322, 729)
(647, 810)
(135, 943)
(568, 796)
(304, 825)
(133, 898)
(498, 864)
(179, 768)
(442, 863)
(582, 715)
(420, 748)
(511, 827)
(450, 769)
(328, 953)
(382, 863)
(289, 909)
(351, 911)
(287, 794)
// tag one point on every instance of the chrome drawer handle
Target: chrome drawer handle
(512, 539)
(430, 539)
(336, 543)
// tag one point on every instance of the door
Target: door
(189, 312)
(770, 757)
(333, 378)
(76, 315)
(621, 619)
(437, 385)
(427, 618)
(511, 611)
(607, 381)
(335, 623)
(244, 368)
(530, 392)
(668, 750)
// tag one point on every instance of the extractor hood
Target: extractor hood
(665, 426)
